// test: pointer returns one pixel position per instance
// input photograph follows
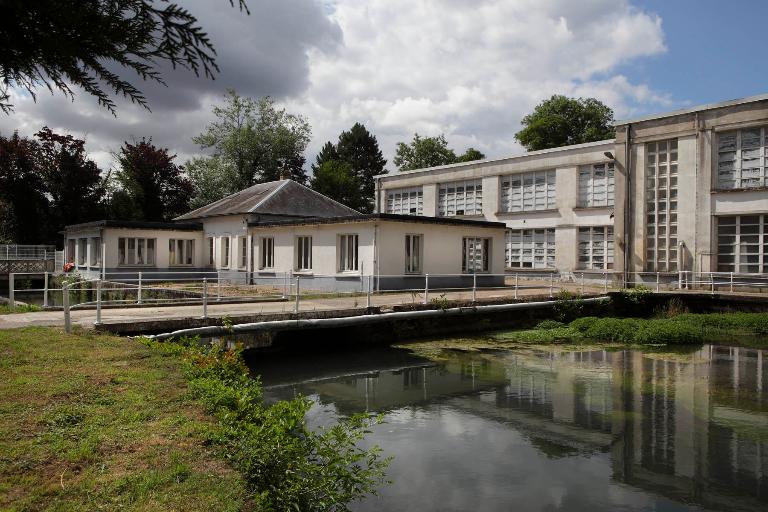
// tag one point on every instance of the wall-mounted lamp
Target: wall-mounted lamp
(609, 155)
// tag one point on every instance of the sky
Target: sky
(469, 69)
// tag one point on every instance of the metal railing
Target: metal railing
(27, 252)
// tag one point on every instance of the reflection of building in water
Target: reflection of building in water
(692, 427)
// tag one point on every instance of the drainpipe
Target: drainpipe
(375, 270)
(103, 250)
(627, 203)
(695, 195)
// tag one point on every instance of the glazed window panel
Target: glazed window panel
(741, 158)
(405, 201)
(476, 253)
(530, 248)
(180, 251)
(136, 251)
(303, 253)
(596, 248)
(267, 253)
(95, 253)
(211, 251)
(82, 251)
(661, 206)
(528, 191)
(460, 198)
(413, 253)
(742, 244)
(348, 253)
(596, 185)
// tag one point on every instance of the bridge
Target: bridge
(18, 259)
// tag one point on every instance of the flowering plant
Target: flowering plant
(69, 266)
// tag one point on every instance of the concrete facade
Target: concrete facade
(705, 194)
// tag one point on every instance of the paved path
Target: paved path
(86, 318)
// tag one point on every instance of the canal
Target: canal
(548, 428)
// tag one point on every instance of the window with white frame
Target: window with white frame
(596, 185)
(413, 253)
(528, 191)
(347, 253)
(460, 198)
(242, 247)
(476, 254)
(406, 201)
(95, 251)
(135, 251)
(181, 252)
(71, 244)
(742, 244)
(225, 252)
(211, 251)
(661, 206)
(303, 253)
(530, 248)
(596, 248)
(742, 158)
(82, 251)
(267, 253)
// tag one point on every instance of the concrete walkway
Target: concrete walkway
(86, 318)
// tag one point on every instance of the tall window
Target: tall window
(136, 251)
(413, 255)
(82, 250)
(348, 253)
(460, 198)
(225, 252)
(596, 248)
(95, 251)
(661, 206)
(181, 252)
(742, 244)
(528, 191)
(211, 253)
(476, 253)
(267, 253)
(71, 244)
(742, 158)
(303, 253)
(530, 248)
(406, 201)
(243, 248)
(596, 185)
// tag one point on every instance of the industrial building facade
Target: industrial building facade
(680, 191)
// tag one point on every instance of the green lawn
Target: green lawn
(5, 309)
(93, 422)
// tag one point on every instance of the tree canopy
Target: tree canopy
(424, 152)
(562, 121)
(337, 180)
(54, 44)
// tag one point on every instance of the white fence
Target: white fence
(27, 252)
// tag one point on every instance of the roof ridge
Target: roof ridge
(269, 196)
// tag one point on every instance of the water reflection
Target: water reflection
(547, 429)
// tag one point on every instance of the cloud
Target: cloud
(470, 70)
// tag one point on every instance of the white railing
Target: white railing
(27, 252)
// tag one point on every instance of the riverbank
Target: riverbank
(93, 422)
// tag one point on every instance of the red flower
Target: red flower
(68, 266)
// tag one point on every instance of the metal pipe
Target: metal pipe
(138, 293)
(205, 297)
(65, 303)
(474, 287)
(426, 288)
(298, 292)
(45, 291)
(11, 291)
(98, 302)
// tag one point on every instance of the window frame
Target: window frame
(607, 241)
(589, 185)
(82, 252)
(301, 254)
(758, 240)
(449, 200)
(737, 170)
(467, 254)
(342, 248)
(526, 240)
(401, 201)
(124, 243)
(519, 199)
(94, 258)
(183, 250)
(266, 253)
(210, 250)
(414, 259)
(225, 250)
(242, 248)
(661, 205)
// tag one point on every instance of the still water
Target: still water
(550, 429)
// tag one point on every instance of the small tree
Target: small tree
(327, 152)
(360, 149)
(470, 155)
(562, 121)
(151, 184)
(336, 180)
(423, 152)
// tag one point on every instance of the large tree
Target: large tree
(337, 180)
(360, 149)
(562, 121)
(424, 152)
(260, 140)
(151, 186)
(212, 178)
(23, 203)
(56, 45)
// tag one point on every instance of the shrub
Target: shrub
(613, 329)
(584, 323)
(666, 332)
(546, 325)
(567, 306)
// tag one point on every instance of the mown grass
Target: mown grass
(92, 422)
(6, 309)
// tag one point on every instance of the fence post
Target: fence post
(551, 284)
(731, 282)
(285, 285)
(11, 291)
(474, 287)
(658, 284)
(218, 285)
(138, 292)
(517, 282)
(65, 303)
(680, 280)
(298, 292)
(45, 291)
(712, 280)
(98, 302)
(370, 285)
(426, 288)
(205, 297)
(605, 282)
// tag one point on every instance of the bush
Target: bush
(584, 323)
(613, 329)
(568, 306)
(546, 325)
(667, 332)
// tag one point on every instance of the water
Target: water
(549, 429)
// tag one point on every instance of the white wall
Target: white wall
(220, 228)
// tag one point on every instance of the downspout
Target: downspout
(695, 196)
(103, 249)
(627, 203)
(376, 256)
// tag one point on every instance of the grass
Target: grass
(6, 309)
(93, 422)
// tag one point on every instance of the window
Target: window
(181, 252)
(741, 158)
(71, 244)
(661, 206)
(742, 244)
(136, 251)
(596, 185)
(267, 256)
(530, 248)
(460, 198)
(596, 248)
(406, 201)
(303, 253)
(225, 241)
(82, 250)
(475, 255)
(243, 248)
(413, 248)
(528, 191)
(211, 251)
(348, 253)
(95, 252)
